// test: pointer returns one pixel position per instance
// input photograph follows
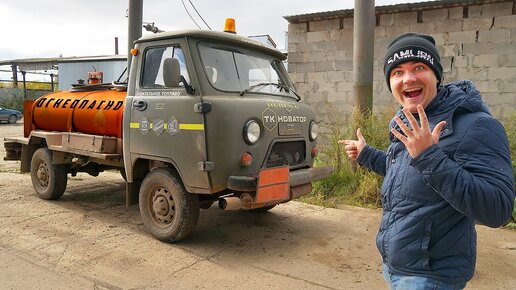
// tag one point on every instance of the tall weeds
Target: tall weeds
(349, 183)
(509, 122)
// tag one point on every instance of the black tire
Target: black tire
(49, 180)
(168, 211)
(262, 209)
(12, 119)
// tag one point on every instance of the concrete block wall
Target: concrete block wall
(480, 47)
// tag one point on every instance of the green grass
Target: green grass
(514, 212)
(9, 169)
(350, 184)
(509, 122)
(511, 226)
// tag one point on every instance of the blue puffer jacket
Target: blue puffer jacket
(431, 202)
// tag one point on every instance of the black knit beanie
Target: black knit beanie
(412, 47)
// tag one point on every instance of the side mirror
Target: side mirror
(171, 72)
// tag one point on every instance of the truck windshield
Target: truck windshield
(244, 71)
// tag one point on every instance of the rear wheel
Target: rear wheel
(49, 180)
(12, 119)
(168, 211)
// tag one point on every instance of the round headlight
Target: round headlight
(314, 130)
(251, 132)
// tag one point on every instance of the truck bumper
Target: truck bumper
(296, 178)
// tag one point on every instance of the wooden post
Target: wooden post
(14, 68)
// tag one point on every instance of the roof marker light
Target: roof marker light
(229, 25)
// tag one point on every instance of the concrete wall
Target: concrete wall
(481, 48)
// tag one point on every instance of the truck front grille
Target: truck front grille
(286, 153)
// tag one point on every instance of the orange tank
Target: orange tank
(90, 112)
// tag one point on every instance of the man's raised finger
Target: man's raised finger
(411, 119)
(403, 126)
(423, 119)
(360, 136)
(398, 135)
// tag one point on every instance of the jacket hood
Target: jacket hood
(453, 98)
(460, 95)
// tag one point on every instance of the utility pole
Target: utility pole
(363, 54)
(116, 45)
(135, 19)
(14, 68)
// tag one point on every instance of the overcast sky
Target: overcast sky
(49, 28)
(53, 28)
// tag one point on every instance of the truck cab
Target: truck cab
(208, 117)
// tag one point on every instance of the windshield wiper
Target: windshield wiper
(279, 86)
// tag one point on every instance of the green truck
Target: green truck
(207, 117)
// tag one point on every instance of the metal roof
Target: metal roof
(50, 62)
(396, 8)
(64, 59)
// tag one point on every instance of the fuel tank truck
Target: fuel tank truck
(205, 117)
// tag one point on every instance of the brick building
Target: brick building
(476, 40)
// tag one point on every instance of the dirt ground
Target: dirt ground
(89, 239)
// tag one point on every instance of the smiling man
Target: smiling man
(448, 167)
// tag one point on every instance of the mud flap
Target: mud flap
(132, 190)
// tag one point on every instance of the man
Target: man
(447, 168)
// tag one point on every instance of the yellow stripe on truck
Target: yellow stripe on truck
(195, 127)
(191, 127)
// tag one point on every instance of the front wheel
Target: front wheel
(49, 180)
(168, 211)
(12, 119)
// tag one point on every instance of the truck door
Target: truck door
(163, 123)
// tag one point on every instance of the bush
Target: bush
(509, 122)
(350, 184)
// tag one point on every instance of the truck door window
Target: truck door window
(152, 76)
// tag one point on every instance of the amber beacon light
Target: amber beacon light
(229, 25)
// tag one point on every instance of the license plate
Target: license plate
(286, 129)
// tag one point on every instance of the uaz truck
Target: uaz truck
(205, 117)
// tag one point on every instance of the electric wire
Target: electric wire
(199, 14)
(190, 14)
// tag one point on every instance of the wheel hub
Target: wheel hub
(163, 206)
(42, 174)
